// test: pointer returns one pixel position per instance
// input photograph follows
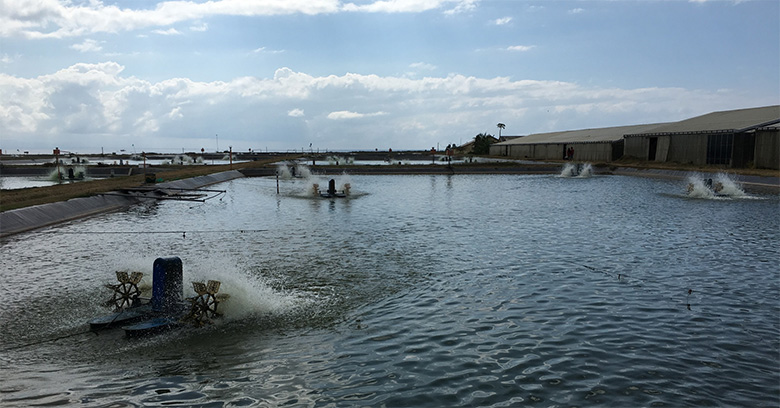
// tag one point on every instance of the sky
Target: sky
(331, 75)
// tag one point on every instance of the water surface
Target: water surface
(426, 291)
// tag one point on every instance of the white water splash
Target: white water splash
(247, 295)
(79, 172)
(697, 187)
(307, 184)
(720, 187)
(339, 160)
(728, 187)
(287, 171)
(577, 170)
(182, 159)
(586, 170)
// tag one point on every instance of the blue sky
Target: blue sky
(344, 75)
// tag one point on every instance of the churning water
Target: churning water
(424, 291)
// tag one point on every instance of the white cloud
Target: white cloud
(199, 27)
(53, 19)
(520, 48)
(463, 6)
(502, 21)
(423, 66)
(87, 45)
(576, 11)
(170, 31)
(7, 59)
(175, 113)
(264, 50)
(411, 6)
(86, 106)
(340, 115)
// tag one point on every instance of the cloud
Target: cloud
(175, 113)
(7, 59)
(199, 27)
(341, 115)
(502, 21)
(411, 6)
(86, 106)
(520, 48)
(87, 45)
(264, 50)
(170, 31)
(576, 11)
(53, 19)
(423, 66)
(463, 6)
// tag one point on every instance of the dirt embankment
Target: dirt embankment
(642, 165)
(26, 197)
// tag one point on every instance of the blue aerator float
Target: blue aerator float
(166, 309)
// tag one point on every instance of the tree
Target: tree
(500, 126)
(482, 144)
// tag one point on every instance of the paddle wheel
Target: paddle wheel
(126, 293)
(166, 309)
(203, 306)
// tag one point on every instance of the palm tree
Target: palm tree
(500, 126)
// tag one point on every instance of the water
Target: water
(580, 170)
(18, 182)
(425, 291)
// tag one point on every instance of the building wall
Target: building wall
(555, 151)
(693, 149)
(767, 154)
(598, 152)
(502, 150)
(688, 149)
(636, 147)
(684, 148)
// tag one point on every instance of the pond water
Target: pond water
(18, 182)
(425, 291)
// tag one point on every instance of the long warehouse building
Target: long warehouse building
(736, 138)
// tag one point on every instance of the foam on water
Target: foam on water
(57, 174)
(186, 160)
(722, 186)
(288, 171)
(339, 160)
(586, 171)
(697, 188)
(729, 187)
(576, 170)
(248, 295)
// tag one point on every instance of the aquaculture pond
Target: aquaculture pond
(423, 291)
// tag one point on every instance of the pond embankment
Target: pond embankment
(37, 216)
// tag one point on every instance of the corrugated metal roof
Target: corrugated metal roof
(716, 121)
(599, 135)
(721, 121)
